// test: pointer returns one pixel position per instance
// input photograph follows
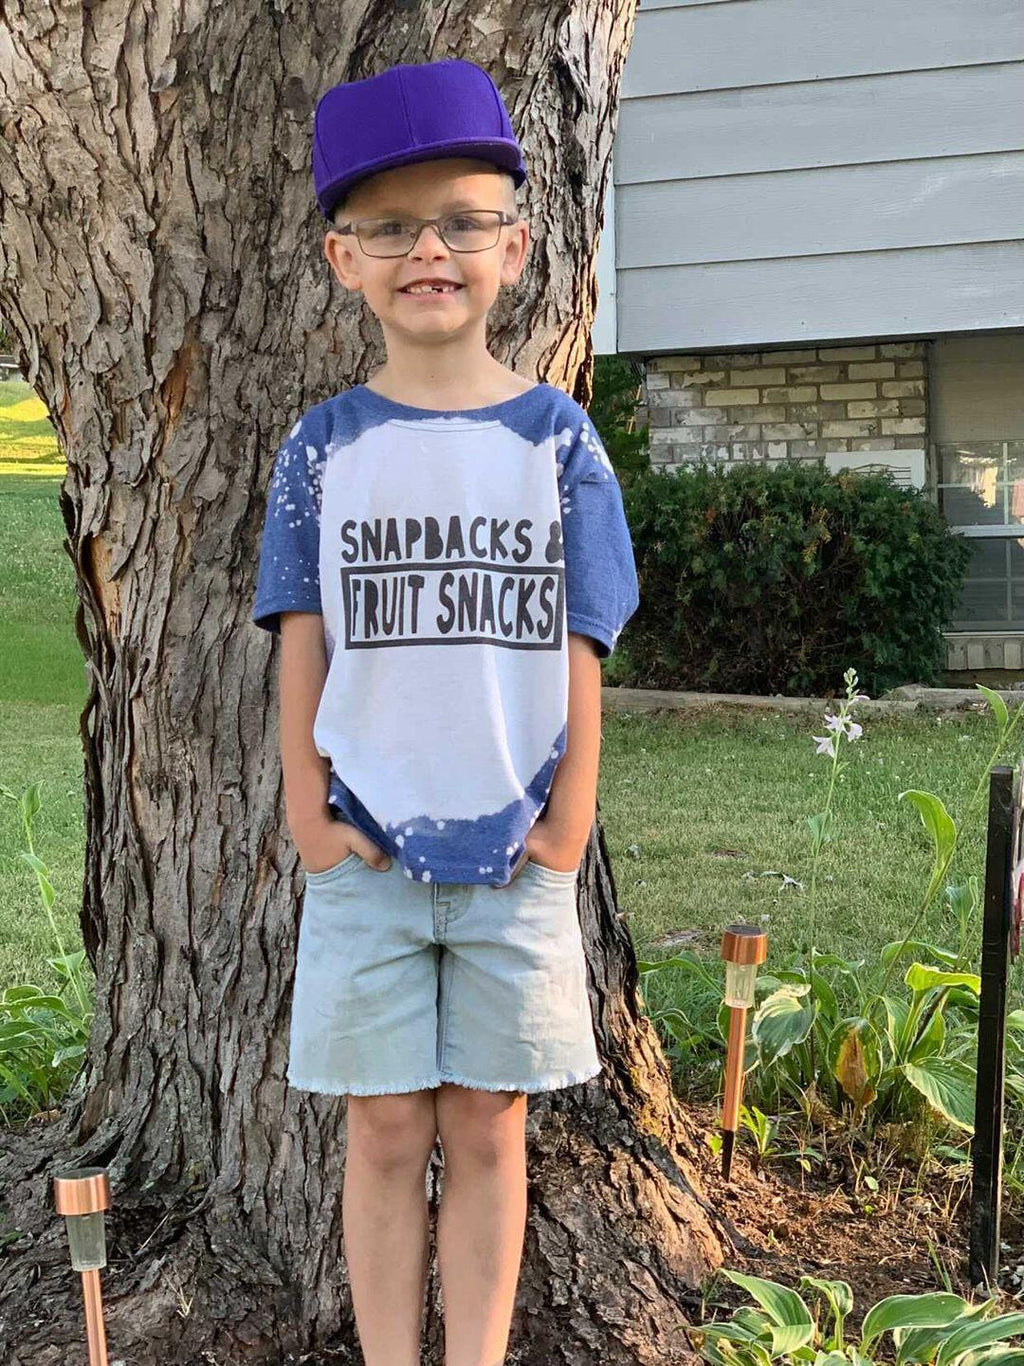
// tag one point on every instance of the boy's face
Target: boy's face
(429, 189)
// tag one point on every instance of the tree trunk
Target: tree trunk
(164, 285)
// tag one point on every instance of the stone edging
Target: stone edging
(910, 698)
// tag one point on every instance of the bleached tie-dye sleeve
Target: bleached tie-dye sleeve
(289, 568)
(601, 588)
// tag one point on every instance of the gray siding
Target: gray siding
(800, 171)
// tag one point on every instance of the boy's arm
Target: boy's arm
(303, 671)
(572, 804)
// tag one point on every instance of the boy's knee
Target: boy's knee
(483, 1125)
(393, 1130)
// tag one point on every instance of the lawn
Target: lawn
(690, 805)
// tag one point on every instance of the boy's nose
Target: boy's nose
(429, 239)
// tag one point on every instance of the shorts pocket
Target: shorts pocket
(544, 873)
(350, 860)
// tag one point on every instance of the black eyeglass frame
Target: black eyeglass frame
(504, 221)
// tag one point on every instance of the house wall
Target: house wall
(786, 404)
(788, 173)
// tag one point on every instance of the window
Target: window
(981, 492)
(976, 406)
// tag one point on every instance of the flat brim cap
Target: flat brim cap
(411, 112)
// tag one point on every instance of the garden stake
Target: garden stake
(999, 944)
(743, 947)
(81, 1195)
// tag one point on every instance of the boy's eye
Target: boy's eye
(388, 227)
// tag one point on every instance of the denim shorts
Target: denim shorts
(401, 985)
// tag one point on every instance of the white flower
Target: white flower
(844, 725)
(826, 745)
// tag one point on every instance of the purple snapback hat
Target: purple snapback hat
(411, 112)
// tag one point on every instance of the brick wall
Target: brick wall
(777, 405)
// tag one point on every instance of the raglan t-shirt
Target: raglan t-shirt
(449, 552)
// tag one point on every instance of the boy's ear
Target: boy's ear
(342, 259)
(516, 246)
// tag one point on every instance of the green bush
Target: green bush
(757, 579)
(618, 385)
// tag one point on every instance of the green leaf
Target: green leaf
(819, 828)
(15, 1083)
(731, 1332)
(789, 1338)
(30, 802)
(825, 995)
(932, 1040)
(838, 1294)
(55, 1004)
(689, 964)
(67, 964)
(75, 1050)
(918, 947)
(919, 977)
(909, 1311)
(849, 967)
(939, 824)
(1006, 1356)
(783, 1306)
(897, 1012)
(732, 1344)
(996, 703)
(947, 1085)
(921, 1344)
(975, 1335)
(782, 1021)
(26, 992)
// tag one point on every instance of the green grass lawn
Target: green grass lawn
(677, 793)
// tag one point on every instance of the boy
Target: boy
(446, 559)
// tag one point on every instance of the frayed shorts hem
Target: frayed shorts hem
(329, 1086)
(551, 1083)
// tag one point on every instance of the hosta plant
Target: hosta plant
(857, 1037)
(43, 1033)
(939, 1328)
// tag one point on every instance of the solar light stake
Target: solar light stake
(81, 1195)
(743, 947)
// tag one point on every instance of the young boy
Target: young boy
(446, 559)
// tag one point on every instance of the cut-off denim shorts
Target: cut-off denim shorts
(401, 985)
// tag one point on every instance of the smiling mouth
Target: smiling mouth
(432, 293)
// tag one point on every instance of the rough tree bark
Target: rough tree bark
(163, 281)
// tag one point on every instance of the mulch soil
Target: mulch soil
(905, 1238)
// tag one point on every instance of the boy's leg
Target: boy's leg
(385, 1220)
(481, 1220)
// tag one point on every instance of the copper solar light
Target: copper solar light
(743, 947)
(81, 1195)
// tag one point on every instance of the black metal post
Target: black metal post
(987, 1145)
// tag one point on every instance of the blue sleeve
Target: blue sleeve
(289, 567)
(601, 589)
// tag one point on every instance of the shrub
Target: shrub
(769, 580)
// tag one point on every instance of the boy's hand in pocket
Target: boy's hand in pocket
(548, 845)
(326, 841)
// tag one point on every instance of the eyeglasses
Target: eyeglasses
(470, 230)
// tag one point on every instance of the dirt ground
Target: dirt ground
(908, 1236)
(901, 1239)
